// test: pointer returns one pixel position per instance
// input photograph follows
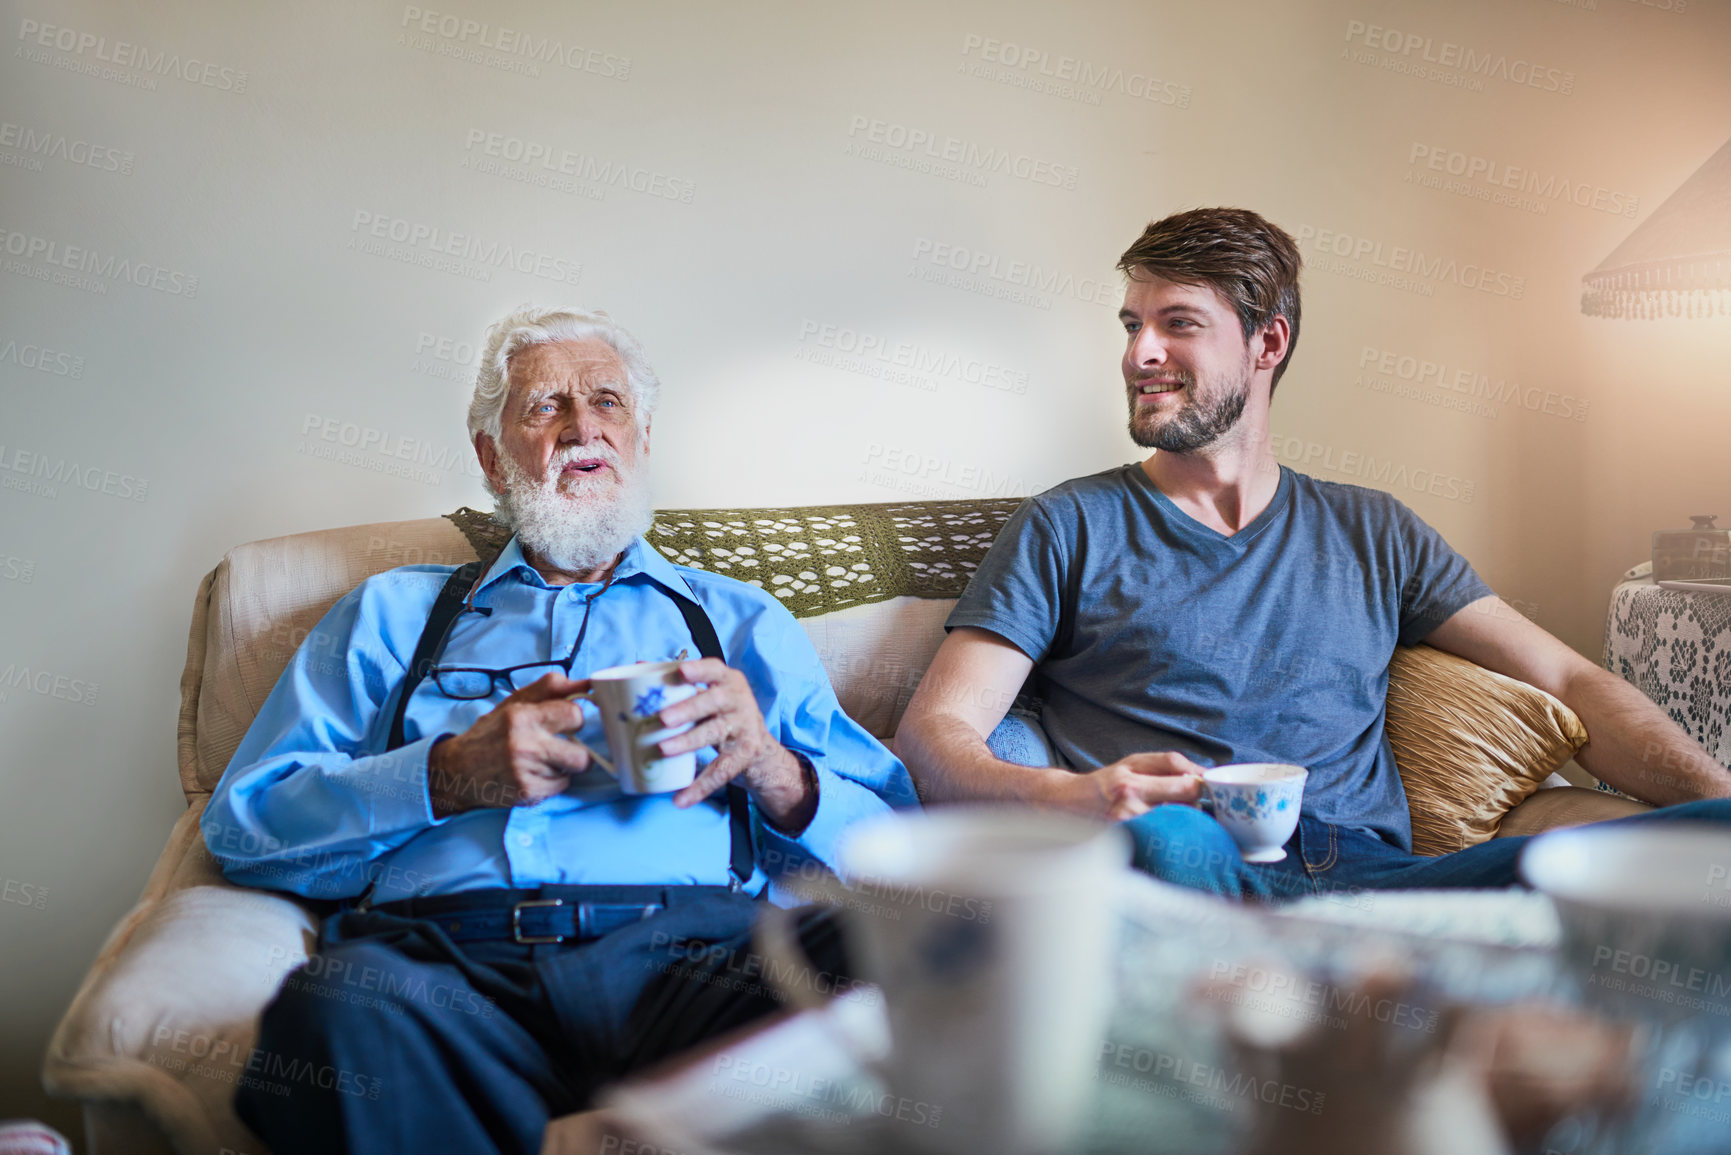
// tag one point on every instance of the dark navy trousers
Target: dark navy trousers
(394, 1039)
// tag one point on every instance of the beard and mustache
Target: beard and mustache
(574, 521)
(1203, 419)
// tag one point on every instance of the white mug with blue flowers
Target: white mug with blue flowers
(630, 700)
(1258, 804)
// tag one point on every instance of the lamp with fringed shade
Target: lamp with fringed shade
(1677, 262)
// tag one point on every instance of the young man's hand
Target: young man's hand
(1131, 786)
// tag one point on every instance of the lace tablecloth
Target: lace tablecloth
(1676, 647)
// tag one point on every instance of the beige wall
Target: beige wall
(771, 214)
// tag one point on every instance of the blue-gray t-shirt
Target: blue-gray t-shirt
(1271, 645)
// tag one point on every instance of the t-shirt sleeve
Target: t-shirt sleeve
(1438, 583)
(1018, 589)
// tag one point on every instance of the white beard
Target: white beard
(576, 522)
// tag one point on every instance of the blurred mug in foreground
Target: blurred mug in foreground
(989, 932)
(1646, 916)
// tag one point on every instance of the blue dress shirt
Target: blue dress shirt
(312, 804)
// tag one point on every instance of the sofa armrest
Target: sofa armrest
(1566, 806)
(166, 1018)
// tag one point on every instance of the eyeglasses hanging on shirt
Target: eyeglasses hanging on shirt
(472, 683)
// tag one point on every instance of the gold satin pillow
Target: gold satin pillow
(1470, 744)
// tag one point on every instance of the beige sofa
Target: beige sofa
(161, 1028)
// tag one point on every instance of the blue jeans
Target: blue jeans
(1182, 845)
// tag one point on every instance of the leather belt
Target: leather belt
(550, 914)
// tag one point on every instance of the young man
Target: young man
(1209, 606)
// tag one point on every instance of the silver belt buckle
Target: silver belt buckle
(517, 922)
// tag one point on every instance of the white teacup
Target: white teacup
(990, 933)
(1258, 803)
(629, 698)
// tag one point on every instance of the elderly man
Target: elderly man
(1209, 606)
(515, 931)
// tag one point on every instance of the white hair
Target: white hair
(533, 326)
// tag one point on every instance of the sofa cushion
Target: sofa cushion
(875, 655)
(1470, 744)
(262, 601)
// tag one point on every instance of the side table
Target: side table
(1675, 647)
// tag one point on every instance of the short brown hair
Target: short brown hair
(1252, 263)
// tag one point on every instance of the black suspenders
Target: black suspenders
(438, 630)
(738, 808)
(449, 605)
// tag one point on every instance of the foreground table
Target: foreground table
(1168, 1079)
